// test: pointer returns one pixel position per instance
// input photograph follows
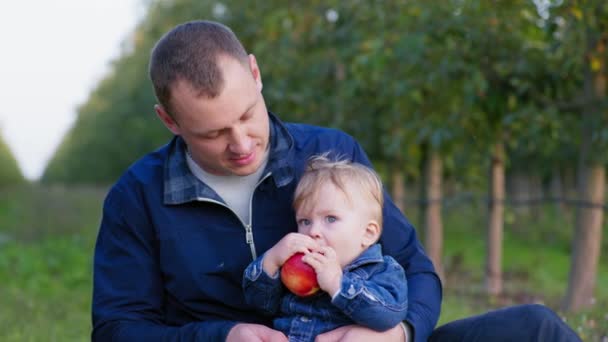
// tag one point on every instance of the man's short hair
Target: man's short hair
(190, 52)
(351, 178)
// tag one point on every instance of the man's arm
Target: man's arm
(128, 291)
(423, 283)
(399, 241)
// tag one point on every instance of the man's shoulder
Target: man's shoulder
(321, 137)
(147, 169)
(307, 129)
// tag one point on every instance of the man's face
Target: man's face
(226, 135)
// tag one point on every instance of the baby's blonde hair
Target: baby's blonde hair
(351, 178)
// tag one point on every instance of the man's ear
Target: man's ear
(371, 234)
(167, 119)
(255, 71)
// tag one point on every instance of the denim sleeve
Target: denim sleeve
(127, 285)
(378, 302)
(399, 240)
(261, 290)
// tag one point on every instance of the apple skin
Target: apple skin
(299, 277)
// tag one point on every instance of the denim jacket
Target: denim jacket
(373, 293)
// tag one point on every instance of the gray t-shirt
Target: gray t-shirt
(236, 191)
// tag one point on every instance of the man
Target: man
(181, 225)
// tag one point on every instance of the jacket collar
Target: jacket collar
(371, 255)
(181, 186)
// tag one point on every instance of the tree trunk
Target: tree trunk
(495, 221)
(592, 181)
(433, 223)
(587, 241)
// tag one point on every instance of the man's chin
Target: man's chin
(246, 170)
(246, 167)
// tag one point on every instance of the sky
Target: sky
(52, 54)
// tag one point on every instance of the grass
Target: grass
(536, 262)
(47, 235)
(48, 290)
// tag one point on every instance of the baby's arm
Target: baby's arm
(262, 285)
(379, 302)
(261, 290)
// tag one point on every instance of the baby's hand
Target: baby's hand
(290, 244)
(329, 272)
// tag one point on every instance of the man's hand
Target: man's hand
(356, 333)
(254, 332)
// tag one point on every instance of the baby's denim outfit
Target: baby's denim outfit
(373, 293)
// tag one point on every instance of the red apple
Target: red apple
(299, 277)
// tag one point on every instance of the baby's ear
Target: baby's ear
(372, 233)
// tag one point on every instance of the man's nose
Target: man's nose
(240, 143)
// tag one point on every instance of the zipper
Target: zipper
(248, 229)
(249, 240)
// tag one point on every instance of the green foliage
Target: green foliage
(46, 290)
(46, 242)
(579, 50)
(10, 174)
(26, 211)
(454, 76)
(114, 127)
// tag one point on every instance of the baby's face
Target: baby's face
(334, 220)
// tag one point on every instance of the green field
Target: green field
(47, 236)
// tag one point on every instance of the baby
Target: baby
(338, 208)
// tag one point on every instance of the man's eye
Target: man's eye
(211, 135)
(331, 219)
(246, 117)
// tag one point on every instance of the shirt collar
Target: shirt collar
(181, 186)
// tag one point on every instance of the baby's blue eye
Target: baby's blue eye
(331, 219)
(303, 222)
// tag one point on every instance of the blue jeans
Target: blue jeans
(522, 323)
